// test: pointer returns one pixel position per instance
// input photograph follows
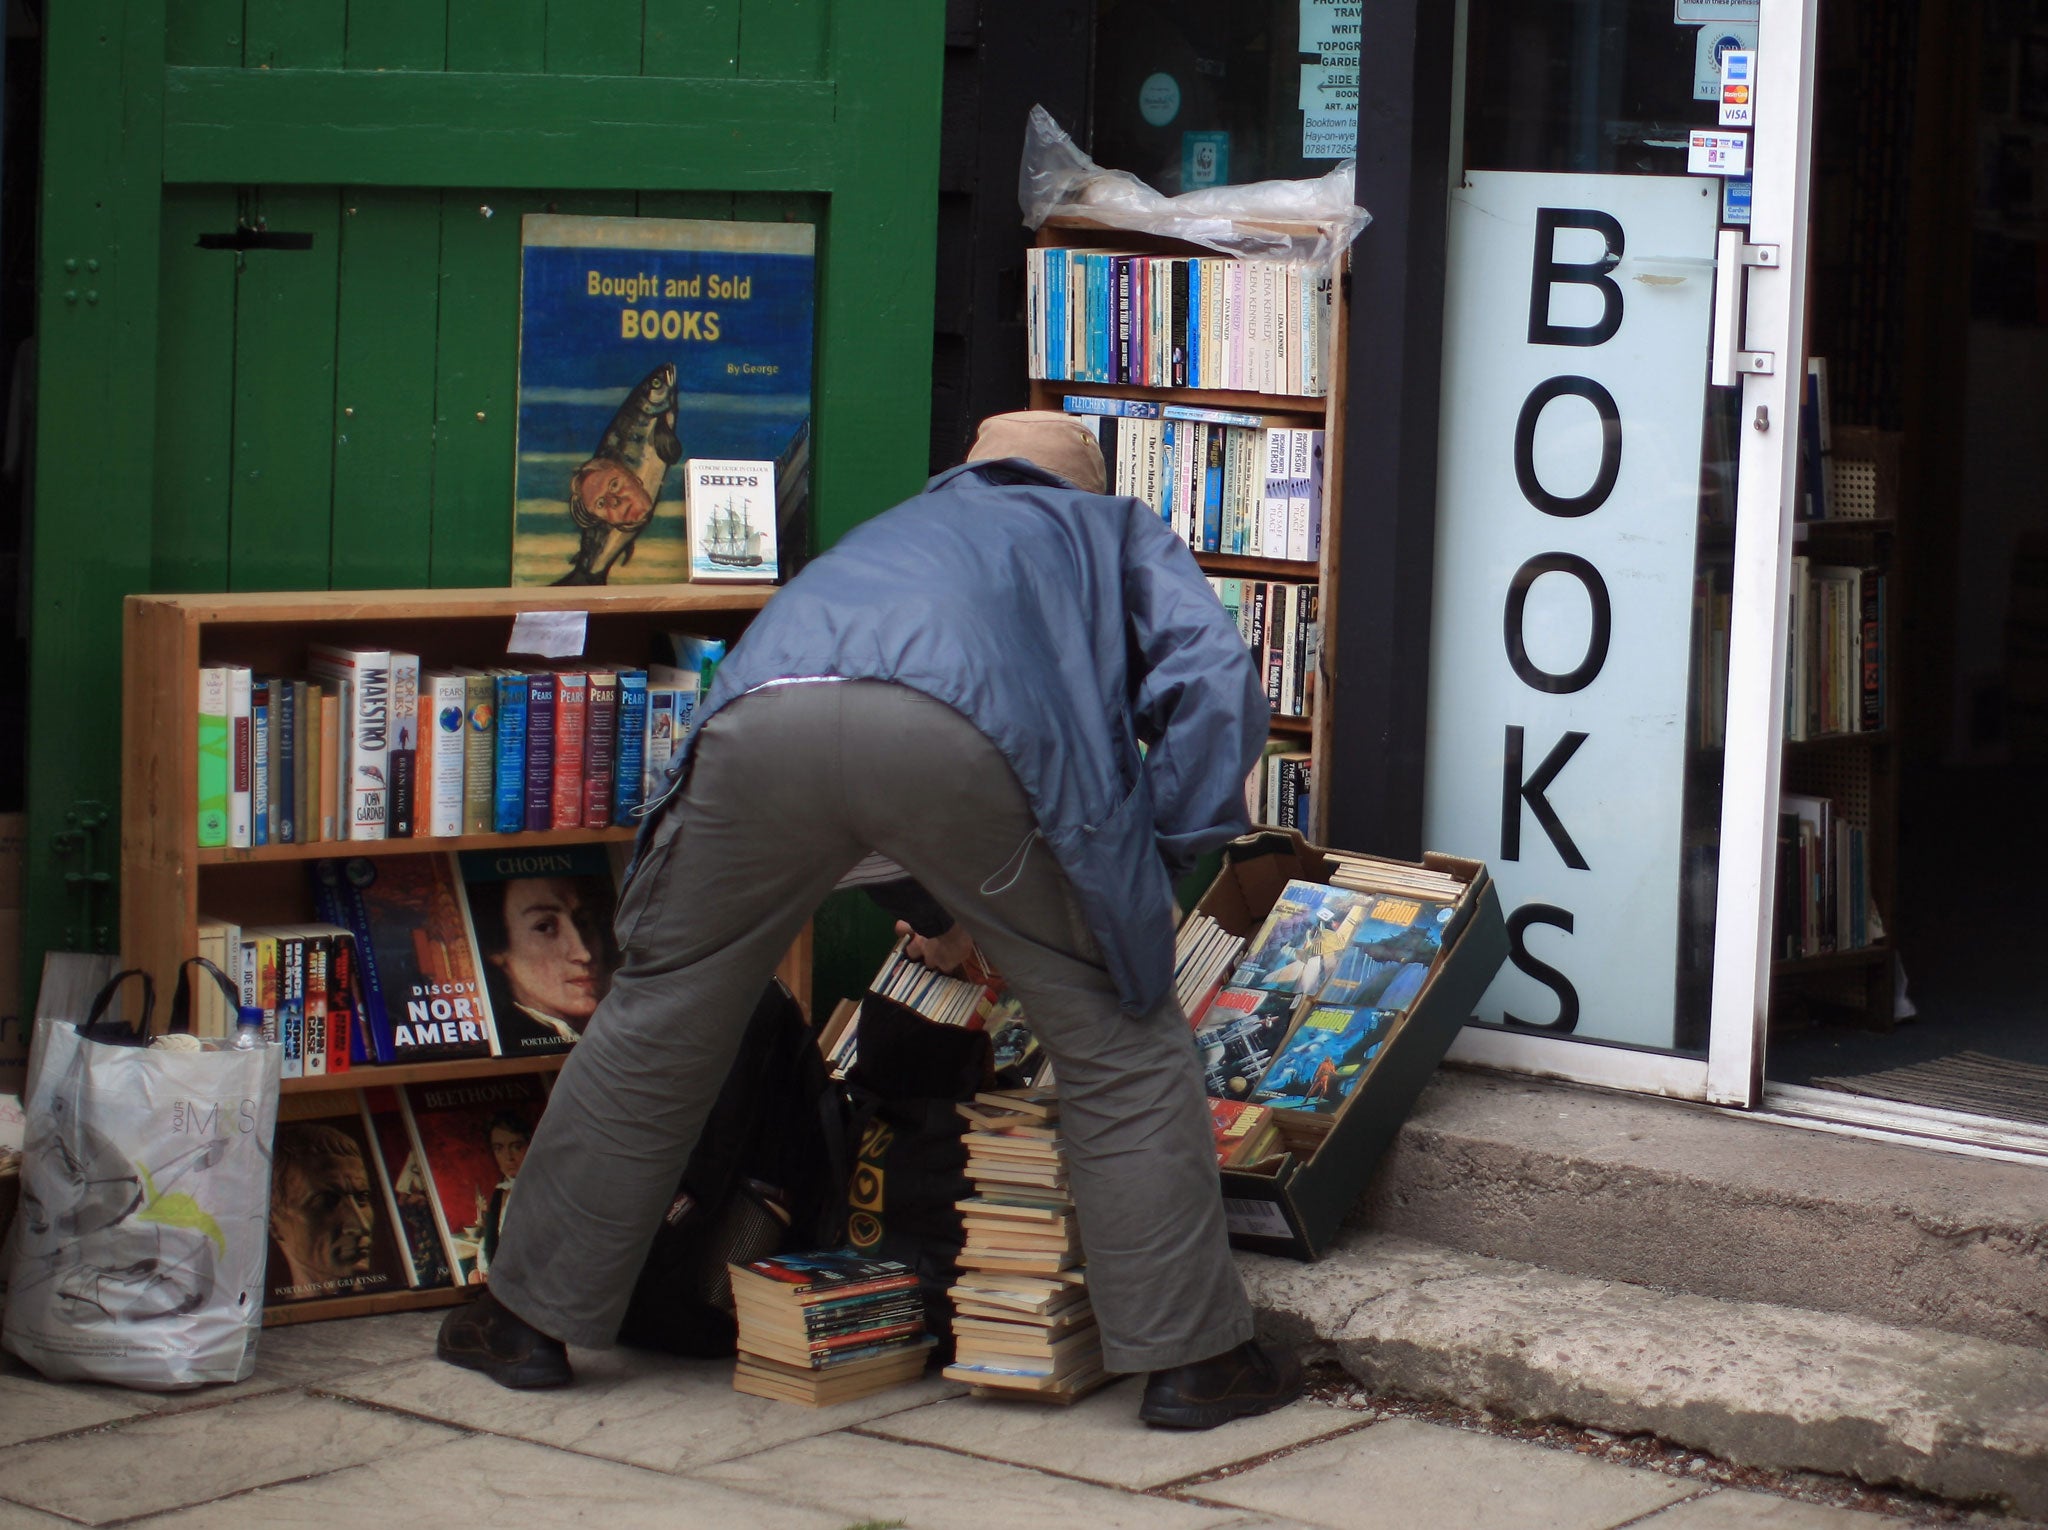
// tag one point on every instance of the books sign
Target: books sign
(1574, 384)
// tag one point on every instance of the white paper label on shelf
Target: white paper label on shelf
(549, 634)
(1255, 1219)
(1577, 319)
(1711, 153)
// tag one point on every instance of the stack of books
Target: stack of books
(827, 1327)
(1022, 1322)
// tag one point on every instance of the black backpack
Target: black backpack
(768, 1175)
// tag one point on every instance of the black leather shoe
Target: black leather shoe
(1256, 1377)
(485, 1335)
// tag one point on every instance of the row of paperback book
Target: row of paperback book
(1280, 621)
(1835, 658)
(1157, 321)
(1278, 790)
(1225, 481)
(1823, 901)
(388, 1189)
(827, 1327)
(979, 1001)
(432, 957)
(369, 745)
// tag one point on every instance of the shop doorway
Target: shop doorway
(1930, 307)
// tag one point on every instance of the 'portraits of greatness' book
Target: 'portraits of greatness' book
(473, 1135)
(332, 1233)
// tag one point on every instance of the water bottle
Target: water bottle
(248, 1027)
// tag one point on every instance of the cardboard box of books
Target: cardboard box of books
(1355, 975)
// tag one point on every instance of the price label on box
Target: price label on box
(1711, 153)
(1738, 88)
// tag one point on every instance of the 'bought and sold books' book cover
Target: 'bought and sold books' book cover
(644, 342)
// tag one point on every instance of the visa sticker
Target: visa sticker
(1738, 88)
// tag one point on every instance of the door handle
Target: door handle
(1732, 253)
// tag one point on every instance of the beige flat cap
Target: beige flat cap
(1059, 443)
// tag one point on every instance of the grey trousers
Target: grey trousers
(790, 787)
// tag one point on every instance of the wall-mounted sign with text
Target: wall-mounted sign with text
(1575, 363)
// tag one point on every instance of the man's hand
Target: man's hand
(948, 953)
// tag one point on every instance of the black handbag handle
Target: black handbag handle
(181, 999)
(105, 997)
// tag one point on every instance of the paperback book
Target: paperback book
(472, 1137)
(540, 924)
(331, 1231)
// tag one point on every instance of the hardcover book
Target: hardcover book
(473, 1135)
(332, 1233)
(642, 342)
(402, 1176)
(366, 730)
(541, 924)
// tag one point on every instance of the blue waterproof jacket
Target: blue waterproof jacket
(1069, 628)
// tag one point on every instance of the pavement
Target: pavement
(354, 1423)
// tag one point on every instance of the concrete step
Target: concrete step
(1692, 1198)
(1757, 1384)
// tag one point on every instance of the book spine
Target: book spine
(338, 900)
(1122, 266)
(423, 759)
(366, 723)
(259, 763)
(1178, 377)
(630, 763)
(305, 724)
(444, 716)
(537, 810)
(344, 1044)
(1311, 649)
(213, 756)
(1870, 647)
(330, 762)
(661, 739)
(479, 752)
(268, 997)
(291, 1004)
(572, 714)
(313, 1003)
(404, 751)
(1276, 630)
(600, 750)
(240, 749)
(284, 753)
(509, 799)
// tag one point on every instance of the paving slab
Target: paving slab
(302, 1353)
(14, 1517)
(170, 1461)
(864, 1479)
(484, 1480)
(1757, 1384)
(643, 1409)
(118, 1397)
(1101, 1439)
(1404, 1472)
(32, 1409)
(1732, 1509)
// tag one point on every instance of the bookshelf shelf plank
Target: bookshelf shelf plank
(424, 1073)
(1262, 568)
(343, 849)
(1308, 407)
(361, 1306)
(260, 608)
(1301, 725)
(1831, 961)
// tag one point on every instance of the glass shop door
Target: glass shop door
(1624, 312)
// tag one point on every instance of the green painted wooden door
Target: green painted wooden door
(341, 415)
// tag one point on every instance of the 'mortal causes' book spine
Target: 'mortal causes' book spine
(572, 713)
(366, 792)
(259, 762)
(539, 803)
(600, 750)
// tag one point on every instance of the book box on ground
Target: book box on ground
(1295, 1202)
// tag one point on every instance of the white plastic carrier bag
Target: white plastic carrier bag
(137, 1255)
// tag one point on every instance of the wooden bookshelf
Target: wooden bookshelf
(1324, 412)
(166, 878)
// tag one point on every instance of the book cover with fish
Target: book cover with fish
(644, 342)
